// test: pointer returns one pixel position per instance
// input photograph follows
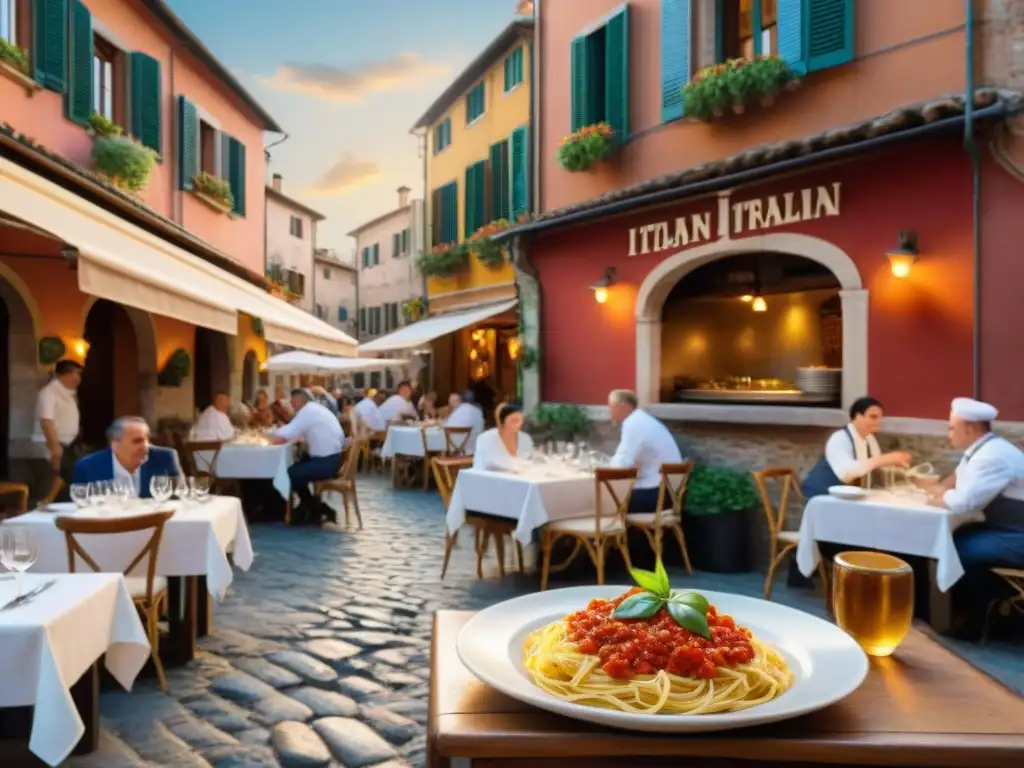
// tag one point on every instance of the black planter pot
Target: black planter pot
(719, 543)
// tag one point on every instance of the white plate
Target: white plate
(827, 664)
(848, 492)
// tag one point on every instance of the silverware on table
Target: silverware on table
(28, 596)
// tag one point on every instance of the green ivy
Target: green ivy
(100, 126)
(14, 56)
(716, 490)
(176, 369)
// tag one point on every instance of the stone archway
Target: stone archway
(20, 375)
(212, 369)
(660, 281)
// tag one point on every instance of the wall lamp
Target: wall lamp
(902, 259)
(600, 288)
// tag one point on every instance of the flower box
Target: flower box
(213, 192)
(445, 260)
(737, 85)
(211, 202)
(589, 145)
(488, 252)
(14, 65)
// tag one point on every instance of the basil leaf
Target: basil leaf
(662, 577)
(695, 600)
(649, 581)
(641, 606)
(690, 619)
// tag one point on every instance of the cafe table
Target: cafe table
(49, 653)
(408, 441)
(253, 459)
(922, 707)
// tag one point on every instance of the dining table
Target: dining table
(407, 440)
(922, 707)
(50, 649)
(248, 458)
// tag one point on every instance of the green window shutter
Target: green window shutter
(676, 56)
(518, 74)
(480, 171)
(499, 181)
(508, 71)
(146, 101)
(616, 73)
(78, 97)
(50, 43)
(829, 31)
(451, 213)
(791, 16)
(396, 244)
(376, 254)
(470, 202)
(519, 160)
(235, 159)
(405, 241)
(578, 99)
(188, 142)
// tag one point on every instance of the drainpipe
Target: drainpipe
(974, 155)
(536, 84)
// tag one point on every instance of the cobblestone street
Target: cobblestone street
(319, 656)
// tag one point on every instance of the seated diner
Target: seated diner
(499, 448)
(645, 443)
(129, 457)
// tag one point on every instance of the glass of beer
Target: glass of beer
(873, 599)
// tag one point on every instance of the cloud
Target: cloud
(330, 83)
(350, 172)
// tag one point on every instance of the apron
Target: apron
(821, 477)
(1002, 512)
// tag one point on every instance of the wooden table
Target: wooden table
(924, 706)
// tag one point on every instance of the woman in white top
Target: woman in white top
(499, 448)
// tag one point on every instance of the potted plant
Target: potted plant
(176, 369)
(560, 421)
(444, 260)
(14, 57)
(213, 191)
(589, 145)
(414, 309)
(124, 161)
(487, 251)
(717, 519)
(737, 84)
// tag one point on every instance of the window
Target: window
(362, 320)
(359, 380)
(201, 147)
(105, 77)
(9, 21)
(375, 248)
(514, 69)
(208, 160)
(375, 380)
(445, 214)
(500, 183)
(475, 103)
(405, 241)
(748, 29)
(295, 227)
(321, 311)
(375, 320)
(476, 197)
(371, 255)
(393, 315)
(327, 273)
(443, 135)
(600, 76)
(396, 245)
(296, 282)
(387, 318)
(342, 314)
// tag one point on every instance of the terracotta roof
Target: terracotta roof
(766, 159)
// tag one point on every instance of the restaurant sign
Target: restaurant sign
(730, 219)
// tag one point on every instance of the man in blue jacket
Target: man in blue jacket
(129, 457)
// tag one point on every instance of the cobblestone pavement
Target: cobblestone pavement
(319, 656)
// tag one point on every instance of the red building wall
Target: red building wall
(920, 344)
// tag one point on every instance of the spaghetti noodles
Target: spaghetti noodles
(650, 666)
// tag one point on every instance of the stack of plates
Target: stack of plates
(819, 381)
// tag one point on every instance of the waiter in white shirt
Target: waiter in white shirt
(321, 431)
(399, 406)
(57, 423)
(466, 413)
(214, 422)
(646, 444)
(368, 412)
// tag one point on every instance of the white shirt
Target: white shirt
(58, 404)
(369, 414)
(318, 428)
(492, 454)
(396, 407)
(848, 461)
(135, 478)
(991, 467)
(468, 415)
(213, 425)
(646, 444)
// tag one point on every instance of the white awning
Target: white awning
(425, 331)
(307, 362)
(122, 262)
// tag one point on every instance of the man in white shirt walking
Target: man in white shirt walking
(399, 406)
(466, 413)
(56, 425)
(645, 443)
(214, 423)
(321, 431)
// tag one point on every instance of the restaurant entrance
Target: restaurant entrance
(110, 381)
(210, 373)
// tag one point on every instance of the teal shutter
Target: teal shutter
(519, 160)
(578, 99)
(480, 170)
(450, 224)
(829, 32)
(519, 65)
(499, 181)
(470, 202)
(342, 314)
(616, 77)
(188, 143)
(233, 160)
(791, 16)
(676, 56)
(79, 97)
(50, 43)
(146, 101)
(508, 73)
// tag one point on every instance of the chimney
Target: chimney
(276, 182)
(403, 196)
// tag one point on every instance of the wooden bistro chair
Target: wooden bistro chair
(594, 533)
(672, 488)
(456, 440)
(13, 492)
(1006, 606)
(344, 482)
(429, 455)
(149, 593)
(202, 462)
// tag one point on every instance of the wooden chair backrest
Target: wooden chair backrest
(456, 440)
(203, 464)
(14, 489)
(350, 462)
(616, 484)
(78, 526)
(446, 470)
(674, 478)
(184, 456)
(786, 479)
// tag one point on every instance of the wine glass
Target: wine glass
(18, 550)
(182, 491)
(80, 494)
(200, 488)
(160, 488)
(95, 494)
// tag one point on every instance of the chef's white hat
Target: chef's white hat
(974, 410)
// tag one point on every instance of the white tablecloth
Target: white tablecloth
(195, 542)
(250, 461)
(408, 441)
(885, 520)
(530, 498)
(47, 644)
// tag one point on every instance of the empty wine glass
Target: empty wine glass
(18, 550)
(160, 488)
(182, 491)
(95, 494)
(79, 494)
(200, 488)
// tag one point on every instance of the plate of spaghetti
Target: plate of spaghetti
(652, 658)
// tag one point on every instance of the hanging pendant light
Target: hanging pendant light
(759, 304)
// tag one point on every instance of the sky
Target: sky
(347, 79)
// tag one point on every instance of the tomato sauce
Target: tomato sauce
(630, 647)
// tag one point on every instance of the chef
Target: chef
(852, 453)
